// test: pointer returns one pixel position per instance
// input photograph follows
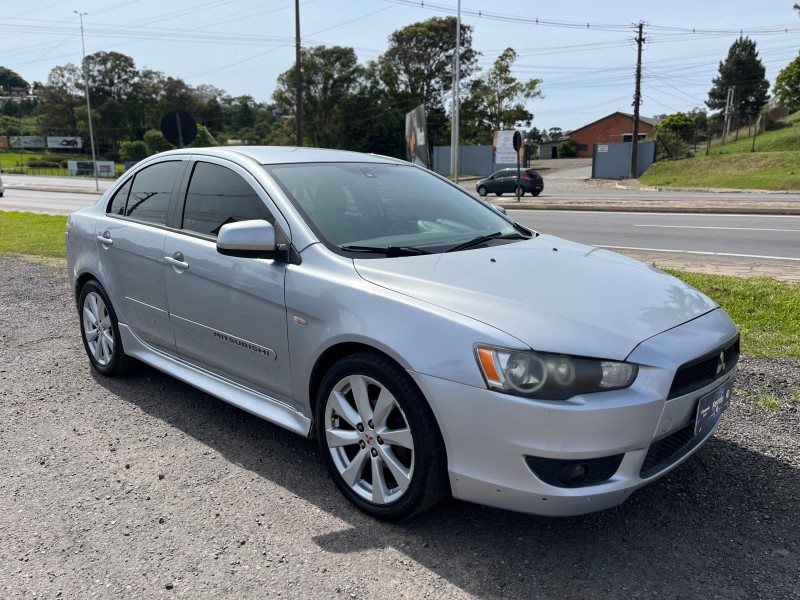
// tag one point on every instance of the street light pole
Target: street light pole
(88, 106)
(454, 130)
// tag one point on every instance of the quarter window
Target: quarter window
(217, 196)
(151, 192)
(120, 199)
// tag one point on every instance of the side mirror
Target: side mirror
(499, 209)
(249, 239)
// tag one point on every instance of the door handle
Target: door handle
(105, 239)
(176, 260)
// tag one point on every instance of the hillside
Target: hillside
(774, 165)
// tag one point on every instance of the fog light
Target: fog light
(578, 474)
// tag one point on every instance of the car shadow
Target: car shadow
(720, 526)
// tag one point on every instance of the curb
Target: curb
(40, 188)
(625, 206)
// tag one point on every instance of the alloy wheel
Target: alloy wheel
(369, 439)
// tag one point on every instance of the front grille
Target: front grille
(704, 370)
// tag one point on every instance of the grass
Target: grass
(32, 234)
(766, 311)
(754, 171)
(780, 140)
(766, 401)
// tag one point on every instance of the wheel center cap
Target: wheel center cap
(369, 439)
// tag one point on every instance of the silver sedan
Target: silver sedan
(432, 345)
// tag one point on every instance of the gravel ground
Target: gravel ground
(145, 487)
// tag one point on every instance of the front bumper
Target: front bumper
(489, 435)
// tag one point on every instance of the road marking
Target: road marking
(697, 252)
(711, 227)
(622, 211)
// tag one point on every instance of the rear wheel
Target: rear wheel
(100, 332)
(536, 193)
(519, 191)
(482, 190)
(379, 439)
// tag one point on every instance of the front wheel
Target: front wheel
(100, 332)
(482, 190)
(379, 439)
(519, 191)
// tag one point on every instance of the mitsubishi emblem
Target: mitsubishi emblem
(721, 363)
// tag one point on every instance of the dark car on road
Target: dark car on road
(505, 181)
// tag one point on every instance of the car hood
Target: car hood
(551, 294)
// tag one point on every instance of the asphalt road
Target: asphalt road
(46, 201)
(749, 237)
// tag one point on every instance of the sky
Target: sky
(583, 50)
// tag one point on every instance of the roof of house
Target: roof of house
(647, 120)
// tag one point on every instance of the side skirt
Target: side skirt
(260, 405)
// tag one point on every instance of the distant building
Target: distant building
(614, 128)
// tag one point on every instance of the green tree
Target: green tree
(787, 85)
(679, 123)
(568, 149)
(329, 77)
(11, 81)
(60, 96)
(497, 100)
(420, 60)
(743, 71)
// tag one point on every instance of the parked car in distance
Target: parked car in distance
(504, 181)
(429, 343)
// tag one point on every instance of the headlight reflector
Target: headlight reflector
(550, 376)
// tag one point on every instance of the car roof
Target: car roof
(271, 155)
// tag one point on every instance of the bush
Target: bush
(112, 156)
(43, 163)
(567, 149)
(133, 150)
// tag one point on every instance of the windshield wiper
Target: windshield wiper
(482, 239)
(387, 250)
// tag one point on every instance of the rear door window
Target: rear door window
(151, 192)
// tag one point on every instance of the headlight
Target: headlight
(550, 376)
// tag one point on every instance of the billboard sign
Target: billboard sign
(503, 152)
(64, 143)
(105, 168)
(28, 142)
(416, 137)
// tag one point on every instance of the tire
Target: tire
(482, 190)
(403, 447)
(100, 332)
(498, 193)
(536, 193)
(519, 191)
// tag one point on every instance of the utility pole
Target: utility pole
(454, 133)
(726, 129)
(88, 105)
(298, 79)
(637, 100)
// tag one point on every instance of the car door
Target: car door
(130, 240)
(508, 180)
(228, 313)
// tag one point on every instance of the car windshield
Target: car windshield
(387, 209)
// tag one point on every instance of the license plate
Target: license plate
(710, 407)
